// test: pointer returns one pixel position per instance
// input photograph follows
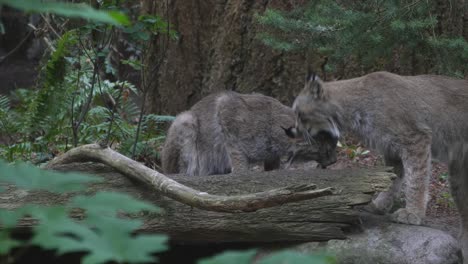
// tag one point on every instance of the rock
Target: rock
(382, 242)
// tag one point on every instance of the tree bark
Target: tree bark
(218, 49)
(319, 219)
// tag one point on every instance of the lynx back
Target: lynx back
(229, 131)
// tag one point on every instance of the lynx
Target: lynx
(408, 119)
(229, 131)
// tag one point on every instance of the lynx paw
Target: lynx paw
(383, 203)
(406, 217)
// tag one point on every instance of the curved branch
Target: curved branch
(187, 195)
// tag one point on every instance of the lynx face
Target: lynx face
(316, 120)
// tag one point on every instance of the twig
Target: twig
(11, 52)
(187, 195)
(46, 20)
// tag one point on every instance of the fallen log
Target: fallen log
(184, 194)
(320, 219)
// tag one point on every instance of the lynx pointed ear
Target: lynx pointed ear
(314, 85)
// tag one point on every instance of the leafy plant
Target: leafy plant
(443, 177)
(102, 233)
(353, 151)
(69, 10)
(445, 199)
(72, 107)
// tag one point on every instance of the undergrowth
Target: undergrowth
(73, 105)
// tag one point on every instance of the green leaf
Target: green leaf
(293, 257)
(134, 250)
(230, 257)
(32, 178)
(69, 10)
(111, 202)
(55, 228)
(114, 245)
(6, 242)
(115, 242)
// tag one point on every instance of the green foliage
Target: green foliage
(49, 100)
(367, 33)
(102, 233)
(28, 177)
(353, 150)
(147, 25)
(71, 105)
(68, 10)
(231, 257)
(443, 177)
(42, 122)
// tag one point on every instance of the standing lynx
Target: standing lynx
(408, 119)
(228, 131)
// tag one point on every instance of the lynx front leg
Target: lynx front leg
(383, 203)
(416, 169)
(458, 169)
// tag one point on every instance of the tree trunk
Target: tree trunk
(450, 17)
(319, 219)
(217, 49)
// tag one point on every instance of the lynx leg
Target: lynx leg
(239, 160)
(272, 164)
(458, 169)
(383, 203)
(416, 170)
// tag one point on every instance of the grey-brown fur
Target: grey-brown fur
(228, 131)
(458, 169)
(408, 119)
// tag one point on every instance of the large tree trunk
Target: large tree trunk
(217, 50)
(319, 219)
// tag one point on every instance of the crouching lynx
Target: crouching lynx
(408, 119)
(228, 131)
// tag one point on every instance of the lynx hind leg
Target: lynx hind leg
(179, 152)
(458, 179)
(416, 170)
(239, 161)
(383, 203)
(170, 154)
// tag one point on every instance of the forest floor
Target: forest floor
(441, 211)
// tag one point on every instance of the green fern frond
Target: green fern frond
(49, 99)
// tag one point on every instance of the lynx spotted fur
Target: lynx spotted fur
(408, 119)
(228, 131)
